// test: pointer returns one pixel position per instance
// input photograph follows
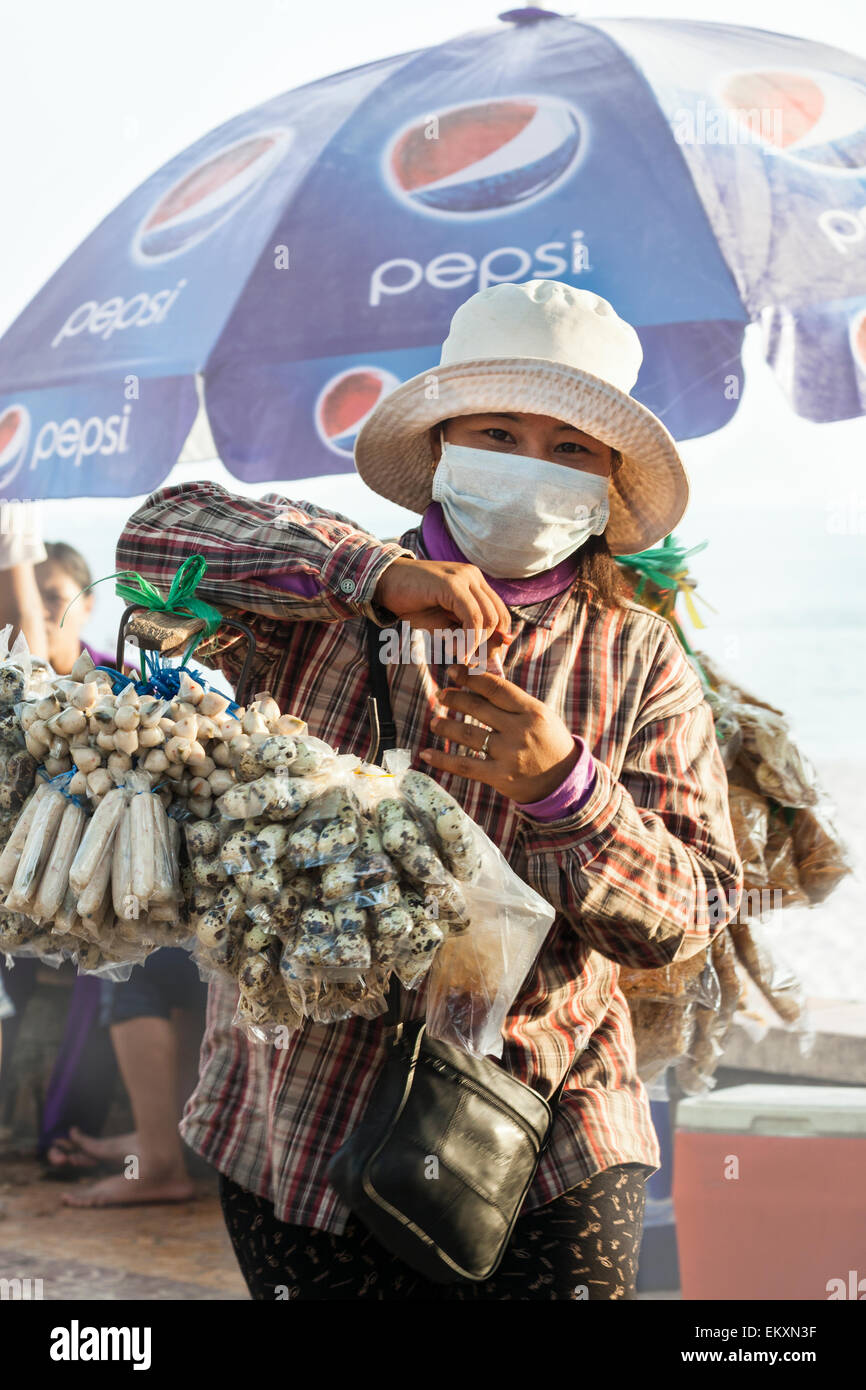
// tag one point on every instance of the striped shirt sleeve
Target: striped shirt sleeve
(249, 542)
(647, 871)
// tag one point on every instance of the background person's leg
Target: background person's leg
(151, 1055)
(147, 1054)
(82, 1082)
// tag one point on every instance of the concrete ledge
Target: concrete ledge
(838, 1053)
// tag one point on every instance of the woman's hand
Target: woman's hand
(530, 751)
(443, 595)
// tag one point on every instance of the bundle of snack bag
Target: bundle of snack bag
(323, 876)
(90, 866)
(295, 895)
(21, 678)
(791, 851)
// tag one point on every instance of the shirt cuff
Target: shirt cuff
(583, 834)
(571, 794)
(350, 574)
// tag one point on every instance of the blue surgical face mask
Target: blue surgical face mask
(515, 516)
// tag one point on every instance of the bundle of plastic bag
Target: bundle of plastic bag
(492, 924)
(20, 678)
(102, 887)
(254, 897)
(325, 876)
(189, 739)
(665, 1004)
(792, 856)
(283, 901)
(729, 733)
(781, 816)
(711, 1021)
(123, 760)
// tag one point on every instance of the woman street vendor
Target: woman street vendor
(591, 762)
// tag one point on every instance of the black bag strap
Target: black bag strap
(383, 730)
(383, 735)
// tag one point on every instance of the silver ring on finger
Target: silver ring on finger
(482, 752)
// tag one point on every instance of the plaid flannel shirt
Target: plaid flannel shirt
(645, 873)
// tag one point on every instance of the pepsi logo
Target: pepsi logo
(858, 339)
(345, 402)
(816, 118)
(14, 439)
(484, 157)
(208, 195)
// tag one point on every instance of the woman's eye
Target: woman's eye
(499, 435)
(571, 446)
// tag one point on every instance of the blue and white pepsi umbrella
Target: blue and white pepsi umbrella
(305, 258)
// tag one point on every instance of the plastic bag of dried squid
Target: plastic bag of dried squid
(20, 936)
(710, 1022)
(22, 675)
(17, 765)
(693, 979)
(759, 956)
(822, 857)
(662, 1031)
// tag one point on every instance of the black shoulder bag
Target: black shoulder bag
(449, 1144)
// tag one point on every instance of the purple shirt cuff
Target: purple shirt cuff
(571, 794)
(304, 585)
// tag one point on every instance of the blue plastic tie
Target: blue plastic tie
(163, 681)
(61, 782)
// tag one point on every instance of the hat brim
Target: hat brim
(648, 494)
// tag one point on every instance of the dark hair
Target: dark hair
(70, 560)
(597, 570)
(596, 567)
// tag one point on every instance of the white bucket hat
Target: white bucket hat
(540, 348)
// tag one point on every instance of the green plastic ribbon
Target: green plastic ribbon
(181, 597)
(665, 567)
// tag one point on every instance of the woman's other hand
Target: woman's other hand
(530, 751)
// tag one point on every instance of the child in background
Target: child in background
(61, 576)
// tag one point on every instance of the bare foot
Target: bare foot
(114, 1149)
(118, 1191)
(64, 1154)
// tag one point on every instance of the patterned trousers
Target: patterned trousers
(582, 1245)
